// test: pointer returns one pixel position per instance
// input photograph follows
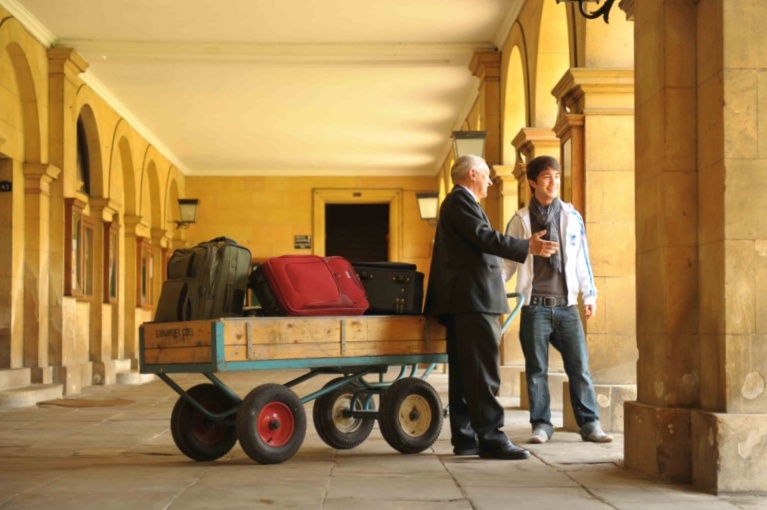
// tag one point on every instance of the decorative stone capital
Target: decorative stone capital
(161, 237)
(38, 178)
(134, 226)
(531, 138)
(591, 90)
(104, 208)
(505, 180)
(486, 65)
(627, 6)
(66, 61)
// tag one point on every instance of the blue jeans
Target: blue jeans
(561, 326)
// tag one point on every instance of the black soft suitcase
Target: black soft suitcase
(207, 281)
(392, 288)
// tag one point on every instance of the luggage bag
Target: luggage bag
(207, 281)
(300, 285)
(391, 287)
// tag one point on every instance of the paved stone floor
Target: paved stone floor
(123, 457)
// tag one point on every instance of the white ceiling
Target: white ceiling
(283, 87)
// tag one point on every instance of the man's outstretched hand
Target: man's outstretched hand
(541, 247)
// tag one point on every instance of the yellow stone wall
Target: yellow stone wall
(266, 213)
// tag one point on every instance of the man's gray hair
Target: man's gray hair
(462, 165)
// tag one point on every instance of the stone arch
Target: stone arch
(96, 168)
(552, 60)
(150, 198)
(25, 86)
(516, 93)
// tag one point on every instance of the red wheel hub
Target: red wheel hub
(275, 424)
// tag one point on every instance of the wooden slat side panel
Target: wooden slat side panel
(178, 342)
(188, 355)
(283, 330)
(384, 328)
(177, 334)
(316, 350)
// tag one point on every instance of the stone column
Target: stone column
(596, 112)
(487, 67)
(133, 316)
(65, 66)
(101, 354)
(701, 412)
(37, 181)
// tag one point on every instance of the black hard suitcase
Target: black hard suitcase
(393, 288)
(207, 281)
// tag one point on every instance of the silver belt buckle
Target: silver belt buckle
(549, 302)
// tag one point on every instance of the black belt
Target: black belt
(549, 302)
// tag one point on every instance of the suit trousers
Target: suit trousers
(476, 416)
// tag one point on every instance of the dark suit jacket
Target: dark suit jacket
(465, 273)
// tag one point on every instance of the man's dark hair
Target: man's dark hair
(537, 165)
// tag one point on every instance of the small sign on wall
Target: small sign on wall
(302, 242)
(6, 186)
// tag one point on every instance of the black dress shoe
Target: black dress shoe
(465, 450)
(508, 451)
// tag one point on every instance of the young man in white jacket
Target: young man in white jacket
(550, 315)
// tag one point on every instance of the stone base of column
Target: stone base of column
(729, 451)
(41, 375)
(657, 443)
(105, 372)
(557, 380)
(73, 377)
(510, 380)
(611, 399)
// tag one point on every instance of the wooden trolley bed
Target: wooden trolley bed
(270, 422)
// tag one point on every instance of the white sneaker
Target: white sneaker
(539, 436)
(597, 435)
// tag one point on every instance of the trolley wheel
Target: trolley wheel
(331, 419)
(271, 424)
(197, 436)
(410, 417)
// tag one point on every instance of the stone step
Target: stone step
(133, 378)
(30, 395)
(15, 378)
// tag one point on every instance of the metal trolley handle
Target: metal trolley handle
(520, 301)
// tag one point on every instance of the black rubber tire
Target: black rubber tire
(410, 417)
(197, 436)
(336, 430)
(271, 424)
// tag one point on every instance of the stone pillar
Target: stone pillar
(102, 310)
(133, 229)
(701, 412)
(596, 126)
(11, 266)
(487, 67)
(37, 181)
(65, 66)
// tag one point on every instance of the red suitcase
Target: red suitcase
(296, 285)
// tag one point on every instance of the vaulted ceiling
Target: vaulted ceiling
(288, 87)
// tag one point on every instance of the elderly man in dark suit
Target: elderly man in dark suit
(466, 292)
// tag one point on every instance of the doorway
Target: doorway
(357, 232)
(389, 198)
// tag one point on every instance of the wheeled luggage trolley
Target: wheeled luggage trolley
(270, 423)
